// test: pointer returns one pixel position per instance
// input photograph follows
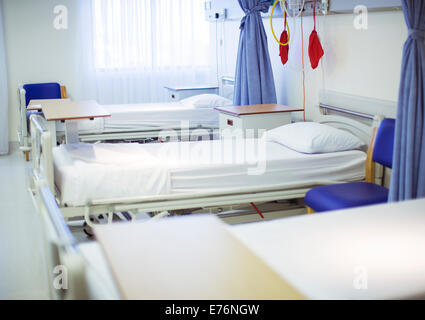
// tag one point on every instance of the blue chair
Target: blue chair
(39, 91)
(356, 194)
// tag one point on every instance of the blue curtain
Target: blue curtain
(254, 74)
(408, 175)
(4, 130)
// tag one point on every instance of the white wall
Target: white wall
(363, 63)
(36, 51)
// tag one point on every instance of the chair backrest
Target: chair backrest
(384, 143)
(42, 91)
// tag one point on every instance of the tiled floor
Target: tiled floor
(22, 268)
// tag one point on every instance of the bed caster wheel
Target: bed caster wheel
(87, 229)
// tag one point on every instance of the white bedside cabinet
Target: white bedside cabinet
(180, 93)
(257, 117)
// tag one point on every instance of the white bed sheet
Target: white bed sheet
(153, 115)
(199, 167)
(372, 252)
(84, 172)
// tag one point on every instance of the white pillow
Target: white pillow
(206, 101)
(313, 137)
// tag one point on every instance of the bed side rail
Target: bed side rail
(22, 113)
(55, 216)
(66, 271)
(42, 157)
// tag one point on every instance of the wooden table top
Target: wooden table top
(257, 109)
(183, 258)
(35, 105)
(73, 110)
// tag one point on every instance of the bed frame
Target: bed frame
(161, 205)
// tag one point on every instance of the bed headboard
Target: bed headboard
(357, 106)
(355, 114)
(361, 130)
(227, 87)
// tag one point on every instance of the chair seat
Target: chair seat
(346, 195)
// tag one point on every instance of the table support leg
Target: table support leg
(71, 132)
(52, 130)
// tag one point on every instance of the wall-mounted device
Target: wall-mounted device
(293, 7)
(214, 14)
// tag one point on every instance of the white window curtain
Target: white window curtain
(133, 48)
(4, 130)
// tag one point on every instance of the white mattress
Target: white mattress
(195, 167)
(153, 115)
(363, 253)
(148, 116)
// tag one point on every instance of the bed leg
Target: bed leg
(87, 217)
(27, 156)
(161, 215)
(310, 210)
(110, 217)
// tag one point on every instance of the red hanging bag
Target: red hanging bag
(315, 50)
(284, 50)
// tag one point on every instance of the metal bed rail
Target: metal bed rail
(346, 111)
(63, 233)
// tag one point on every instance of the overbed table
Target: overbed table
(36, 104)
(69, 112)
(187, 258)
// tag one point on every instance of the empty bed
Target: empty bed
(85, 172)
(148, 116)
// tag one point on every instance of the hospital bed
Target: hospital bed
(373, 252)
(102, 179)
(140, 122)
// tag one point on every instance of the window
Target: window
(150, 34)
